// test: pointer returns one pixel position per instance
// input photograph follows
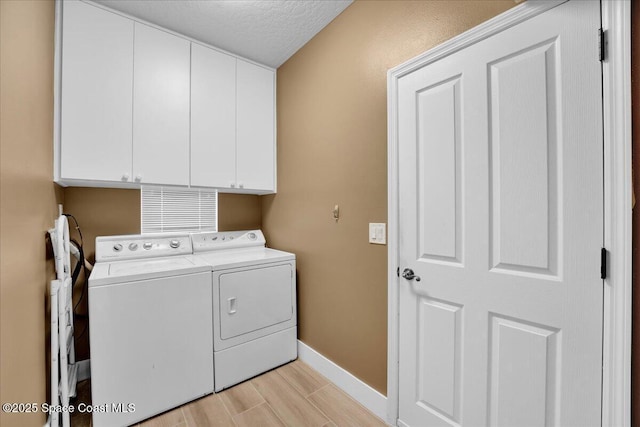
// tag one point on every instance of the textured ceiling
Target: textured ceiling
(266, 31)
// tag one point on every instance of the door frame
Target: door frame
(616, 22)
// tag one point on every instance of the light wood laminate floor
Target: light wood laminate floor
(293, 395)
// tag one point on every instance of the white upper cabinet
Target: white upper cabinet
(255, 127)
(213, 118)
(141, 105)
(232, 123)
(160, 107)
(96, 99)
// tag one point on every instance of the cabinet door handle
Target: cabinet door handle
(138, 178)
(232, 184)
(125, 177)
(241, 185)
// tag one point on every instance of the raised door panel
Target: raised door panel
(439, 357)
(160, 107)
(213, 118)
(96, 104)
(255, 125)
(523, 373)
(524, 171)
(438, 135)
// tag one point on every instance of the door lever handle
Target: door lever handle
(408, 274)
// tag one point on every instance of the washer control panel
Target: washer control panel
(212, 241)
(141, 246)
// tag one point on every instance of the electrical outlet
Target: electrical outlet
(378, 233)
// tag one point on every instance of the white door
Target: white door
(255, 126)
(97, 77)
(500, 178)
(253, 302)
(213, 118)
(254, 299)
(160, 107)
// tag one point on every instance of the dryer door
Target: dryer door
(255, 298)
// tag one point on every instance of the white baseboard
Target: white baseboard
(368, 397)
(84, 369)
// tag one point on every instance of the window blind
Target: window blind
(173, 209)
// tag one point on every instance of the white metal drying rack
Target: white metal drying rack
(64, 370)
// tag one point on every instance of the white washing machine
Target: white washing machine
(151, 330)
(254, 304)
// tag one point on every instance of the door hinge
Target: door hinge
(602, 44)
(603, 263)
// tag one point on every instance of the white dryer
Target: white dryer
(151, 322)
(254, 304)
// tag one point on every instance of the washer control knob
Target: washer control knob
(252, 236)
(174, 244)
(147, 245)
(117, 247)
(133, 246)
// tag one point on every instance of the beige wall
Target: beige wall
(28, 200)
(239, 212)
(332, 145)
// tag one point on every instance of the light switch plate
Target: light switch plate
(378, 233)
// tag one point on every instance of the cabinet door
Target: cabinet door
(213, 118)
(96, 104)
(255, 124)
(160, 107)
